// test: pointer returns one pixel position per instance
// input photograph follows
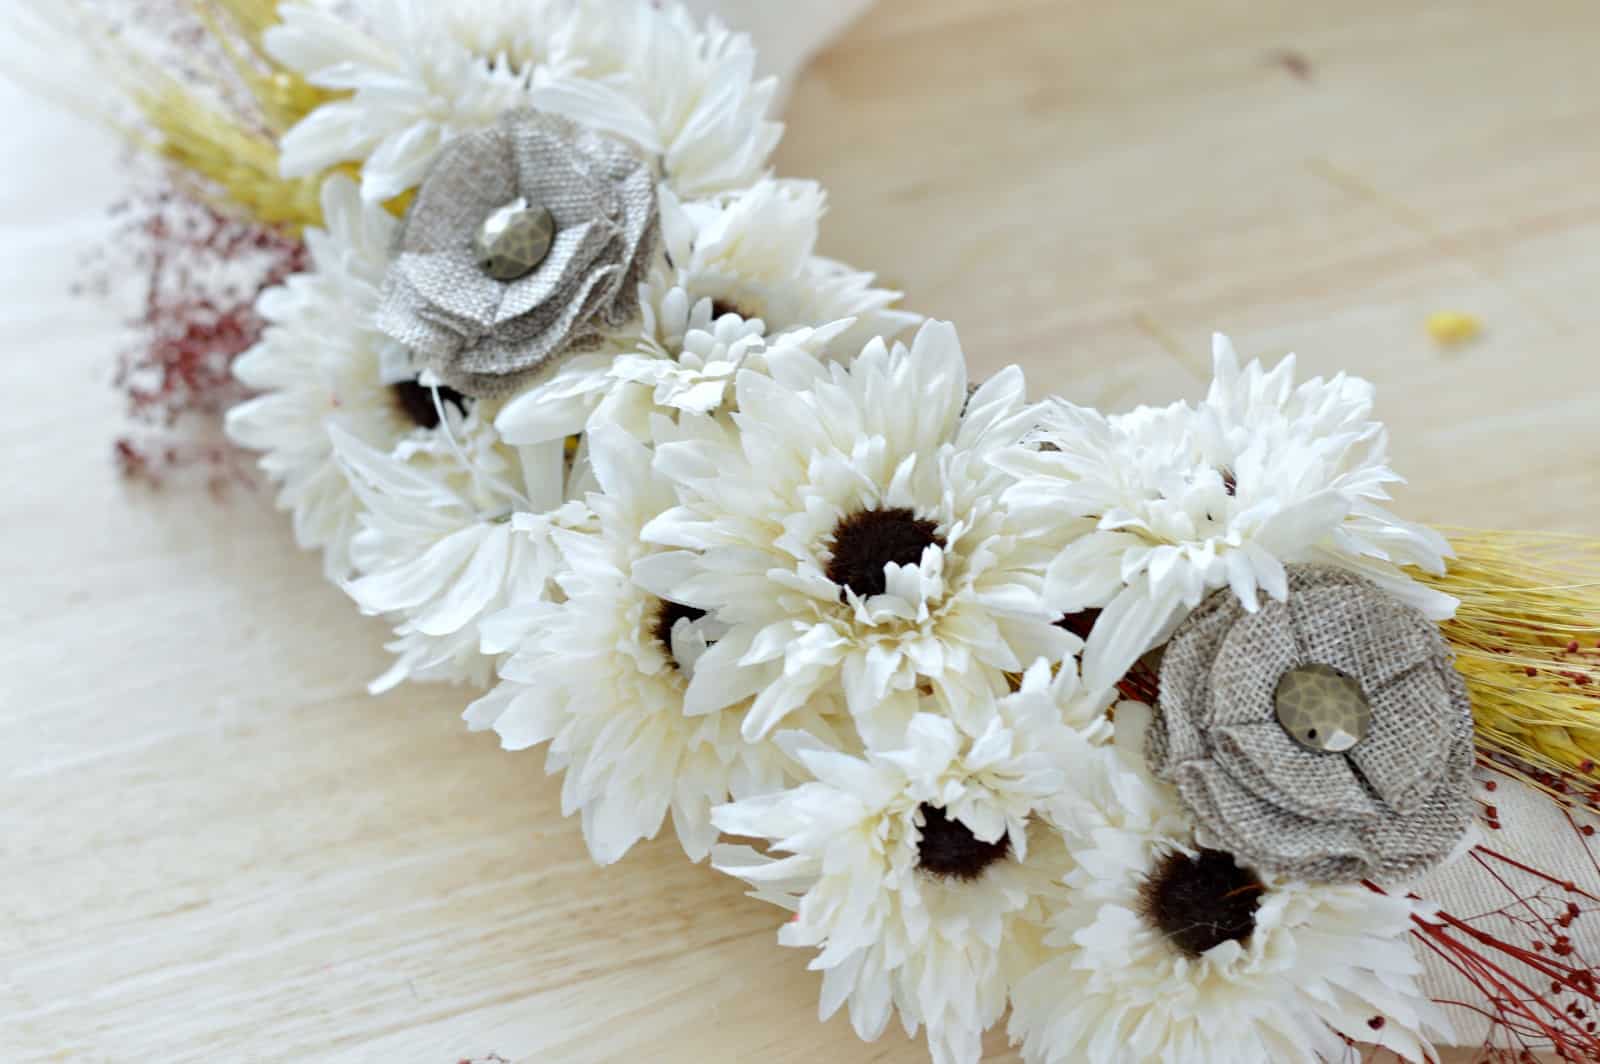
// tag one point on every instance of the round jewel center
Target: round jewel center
(514, 240)
(667, 617)
(1322, 709)
(950, 850)
(867, 540)
(416, 402)
(1202, 901)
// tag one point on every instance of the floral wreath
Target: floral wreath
(1148, 729)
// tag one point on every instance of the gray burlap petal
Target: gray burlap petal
(483, 335)
(1415, 726)
(1231, 819)
(1412, 845)
(535, 334)
(472, 178)
(423, 330)
(448, 289)
(1174, 736)
(556, 165)
(1391, 806)
(1265, 761)
(638, 192)
(1266, 640)
(1334, 626)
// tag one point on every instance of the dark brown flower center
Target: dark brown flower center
(720, 307)
(950, 850)
(668, 614)
(1079, 624)
(1202, 901)
(867, 540)
(416, 402)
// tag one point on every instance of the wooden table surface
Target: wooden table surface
(215, 847)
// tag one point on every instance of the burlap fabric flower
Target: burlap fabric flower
(526, 241)
(1326, 738)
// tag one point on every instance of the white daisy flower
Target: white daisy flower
(411, 74)
(417, 73)
(755, 256)
(682, 92)
(319, 364)
(734, 278)
(920, 873)
(849, 534)
(699, 378)
(1164, 952)
(1170, 504)
(452, 531)
(600, 676)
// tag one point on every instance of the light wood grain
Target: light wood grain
(216, 847)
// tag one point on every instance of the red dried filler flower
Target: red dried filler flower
(201, 272)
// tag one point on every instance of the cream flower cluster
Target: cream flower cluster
(763, 561)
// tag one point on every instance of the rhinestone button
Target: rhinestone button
(514, 240)
(1322, 709)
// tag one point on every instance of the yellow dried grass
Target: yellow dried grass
(238, 26)
(1526, 639)
(226, 141)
